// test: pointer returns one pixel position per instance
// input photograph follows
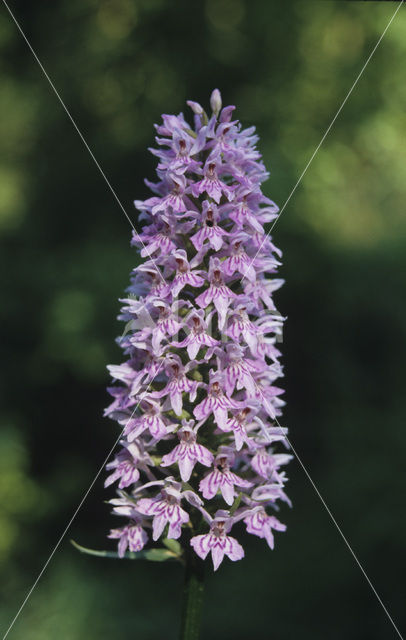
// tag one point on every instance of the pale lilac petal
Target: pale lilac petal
(186, 465)
(171, 458)
(200, 545)
(137, 538)
(146, 506)
(216, 241)
(203, 455)
(268, 535)
(158, 526)
(122, 546)
(227, 490)
(220, 416)
(205, 298)
(203, 409)
(217, 554)
(233, 549)
(193, 348)
(176, 402)
(209, 485)
(222, 304)
(176, 519)
(275, 524)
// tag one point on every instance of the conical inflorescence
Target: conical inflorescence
(196, 398)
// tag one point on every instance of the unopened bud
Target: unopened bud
(215, 101)
(195, 106)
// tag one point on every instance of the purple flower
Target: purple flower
(224, 479)
(266, 464)
(150, 420)
(216, 402)
(211, 183)
(184, 275)
(261, 525)
(210, 229)
(237, 424)
(218, 543)
(165, 509)
(187, 453)
(177, 385)
(218, 292)
(198, 336)
(200, 344)
(132, 537)
(126, 465)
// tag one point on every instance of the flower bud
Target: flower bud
(215, 102)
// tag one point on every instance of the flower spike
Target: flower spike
(196, 398)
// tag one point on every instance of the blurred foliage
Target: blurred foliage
(65, 260)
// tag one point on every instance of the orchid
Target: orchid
(196, 397)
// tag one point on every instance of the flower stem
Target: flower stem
(192, 598)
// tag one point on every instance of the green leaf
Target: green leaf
(154, 555)
(173, 545)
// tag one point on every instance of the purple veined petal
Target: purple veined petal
(205, 298)
(221, 303)
(157, 428)
(193, 348)
(234, 331)
(251, 339)
(247, 271)
(174, 530)
(137, 538)
(203, 455)
(186, 465)
(233, 549)
(158, 525)
(115, 533)
(193, 391)
(194, 280)
(209, 484)
(197, 239)
(220, 416)
(176, 402)
(216, 241)
(217, 554)
(202, 410)
(255, 523)
(200, 545)
(158, 334)
(172, 457)
(177, 518)
(129, 476)
(111, 478)
(146, 506)
(208, 340)
(239, 482)
(227, 490)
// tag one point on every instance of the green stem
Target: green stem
(192, 598)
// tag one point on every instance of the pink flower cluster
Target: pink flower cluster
(196, 398)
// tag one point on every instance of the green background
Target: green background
(65, 260)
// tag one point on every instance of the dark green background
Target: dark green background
(65, 260)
